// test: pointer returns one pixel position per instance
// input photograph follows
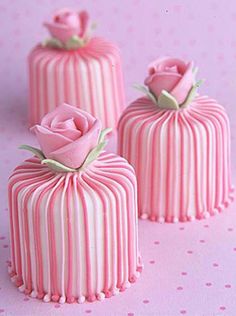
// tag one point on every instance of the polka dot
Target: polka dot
(57, 305)
(222, 308)
(130, 314)
(202, 241)
(145, 301)
(152, 261)
(234, 249)
(230, 229)
(156, 242)
(206, 226)
(88, 311)
(26, 299)
(179, 288)
(183, 312)
(181, 228)
(2, 237)
(184, 273)
(215, 265)
(189, 252)
(5, 246)
(208, 284)
(227, 286)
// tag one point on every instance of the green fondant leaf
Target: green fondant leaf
(37, 152)
(103, 133)
(146, 91)
(74, 42)
(94, 153)
(53, 42)
(195, 70)
(167, 101)
(192, 94)
(57, 166)
(89, 32)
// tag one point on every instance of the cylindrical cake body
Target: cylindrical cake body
(89, 77)
(74, 235)
(181, 158)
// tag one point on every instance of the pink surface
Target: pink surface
(189, 268)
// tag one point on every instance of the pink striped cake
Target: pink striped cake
(73, 233)
(180, 149)
(88, 75)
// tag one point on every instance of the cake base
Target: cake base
(74, 235)
(182, 159)
(82, 299)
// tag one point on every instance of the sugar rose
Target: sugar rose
(67, 23)
(173, 75)
(67, 135)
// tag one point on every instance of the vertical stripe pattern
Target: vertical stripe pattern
(181, 158)
(74, 235)
(90, 78)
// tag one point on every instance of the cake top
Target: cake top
(171, 83)
(69, 139)
(69, 29)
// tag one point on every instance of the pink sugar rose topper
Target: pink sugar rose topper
(171, 83)
(68, 28)
(69, 138)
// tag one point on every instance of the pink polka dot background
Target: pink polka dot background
(189, 268)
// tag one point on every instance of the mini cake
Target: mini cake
(73, 214)
(75, 68)
(179, 145)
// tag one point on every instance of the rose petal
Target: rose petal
(82, 119)
(63, 11)
(181, 90)
(155, 65)
(48, 140)
(61, 31)
(162, 63)
(74, 154)
(162, 81)
(67, 124)
(67, 17)
(67, 135)
(84, 18)
(66, 129)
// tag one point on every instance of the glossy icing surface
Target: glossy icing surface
(74, 235)
(89, 77)
(181, 158)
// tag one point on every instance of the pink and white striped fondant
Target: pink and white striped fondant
(181, 158)
(89, 77)
(74, 235)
